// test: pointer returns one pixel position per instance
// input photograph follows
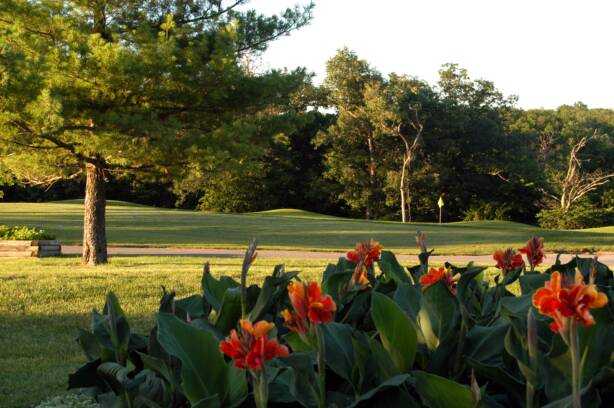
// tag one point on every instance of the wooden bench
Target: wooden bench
(30, 248)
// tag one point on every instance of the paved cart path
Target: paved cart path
(606, 257)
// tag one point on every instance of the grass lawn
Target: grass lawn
(129, 224)
(45, 301)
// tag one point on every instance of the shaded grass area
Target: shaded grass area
(129, 224)
(45, 301)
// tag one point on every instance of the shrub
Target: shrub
(371, 333)
(20, 232)
(582, 215)
(488, 211)
(69, 401)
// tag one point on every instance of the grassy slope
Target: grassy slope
(45, 301)
(290, 229)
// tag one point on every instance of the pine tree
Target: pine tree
(94, 87)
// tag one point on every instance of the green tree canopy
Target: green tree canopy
(108, 86)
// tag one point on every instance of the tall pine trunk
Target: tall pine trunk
(94, 234)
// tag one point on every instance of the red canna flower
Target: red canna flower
(250, 347)
(508, 260)
(363, 256)
(440, 274)
(366, 252)
(564, 302)
(310, 306)
(534, 251)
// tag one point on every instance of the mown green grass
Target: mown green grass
(45, 301)
(129, 224)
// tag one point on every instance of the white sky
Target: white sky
(548, 52)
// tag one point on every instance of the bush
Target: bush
(372, 333)
(69, 401)
(22, 232)
(582, 215)
(488, 211)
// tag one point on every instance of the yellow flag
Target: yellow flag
(440, 202)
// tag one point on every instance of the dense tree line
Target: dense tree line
(154, 102)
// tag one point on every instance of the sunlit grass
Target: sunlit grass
(129, 224)
(45, 301)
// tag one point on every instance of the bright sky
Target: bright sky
(548, 52)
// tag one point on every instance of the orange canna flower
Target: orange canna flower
(310, 306)
(440, 274)
(508, 260)
(359, 277)
(293, 322)
(564, 302)
(250, 348)
(366, 252)
(534, 251)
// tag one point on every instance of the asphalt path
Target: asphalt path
(605, 257)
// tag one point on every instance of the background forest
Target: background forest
(367, 145)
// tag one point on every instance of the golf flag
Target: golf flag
(440, 202)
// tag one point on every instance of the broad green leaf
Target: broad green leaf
(230, 311)
(161, 367)
(208, 402)
(214, 289)
(408, 298)
(297, 378)
(463, 291)
(150, 388)
(296, 343)
(484, 344)
(339, 349)
(273, 288)
(89, 345)
(499, 375)
(396, 331)
(511, 276)
(336, 277)
(439, 392)
(114, 374)
(191, 306)
(112, 329)
(439, 314)
(204, 372)
(530, 282)
(86, 376)
(394, 382)
(392, 269)
(237, 387)
(589, 398)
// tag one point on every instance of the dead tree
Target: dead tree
(577, 182)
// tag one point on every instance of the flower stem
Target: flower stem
(575, 364)
(261, 390)
(530, 396)
(321, 367)
(533, 362)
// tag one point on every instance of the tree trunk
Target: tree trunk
(402, 187)
(403, 206)
(94, 234)
(371, 176)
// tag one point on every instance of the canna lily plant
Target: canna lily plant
(363, 256)
(440, 275)
(250, 348)
(372, 332)
(534, 251)
(569, 304)
(311, 308)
